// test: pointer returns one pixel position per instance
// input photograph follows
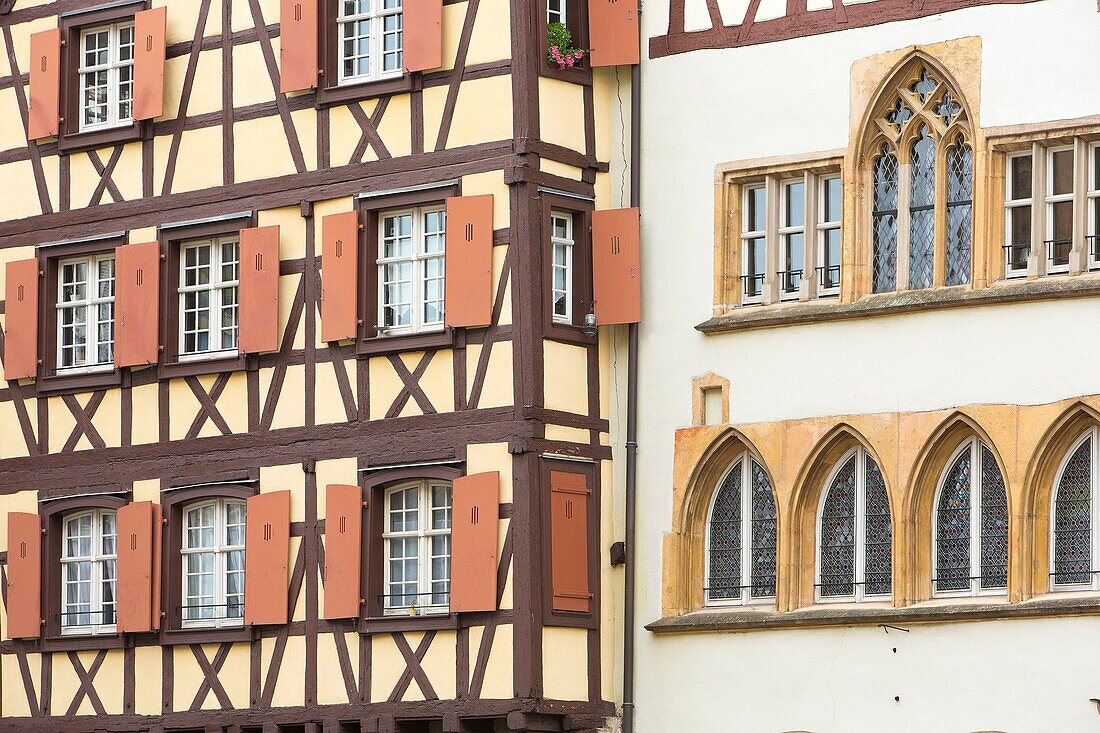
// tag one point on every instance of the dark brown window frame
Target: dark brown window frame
(369, 341)
(71, 139)
(49, 258)
(173, 501)
(581, 209)
(52, 514)
(334, 93)
(171, 238)
(576, 13)
(591, 471)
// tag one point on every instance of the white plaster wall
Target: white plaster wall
(787, 98)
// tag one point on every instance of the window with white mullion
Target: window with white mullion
(213, 563)
(556, 11)
(371, 39)
(208, 293)
(828, 235)
(561, 237)
(1059, 208)
(741, 537)
(88, 573)
(792, 238)
(85, 312)
(417, 540)
(1018, 213)
(1092, 196)
(106, 73)
(754, 244)
(411, 270)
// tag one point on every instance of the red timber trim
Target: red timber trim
(469, 266)
(339, 276)
(613, 30)
(475, 510)
(44, 115)
(616, 266)
(298, 47)
(24, 576)
(259, 290)
(149, 56)
(569, 494)
(21, 322)
(343, 546)
(267, 558)
(137, 292)
(139, 555)
(423, 34)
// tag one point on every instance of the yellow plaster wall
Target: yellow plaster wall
(287, 478)
(12, 443)
(483, 112)
(561, 113)
(491, 182)
(290, 409)
(566, 384)
(384, 387)
(198, 164)
(147, 678)
(106, 421)
(290, 688)
(260, 149)
(331, 690)
(499, 670)
(336, 471)
(147, 490)
(394, 129)
(492, 37)
(13, 697)
(387, 664)
(146, 427)
(565, 663)
(250, 82)
(497, 389)
(330, 404)
(182, 16)
(108, 683)
(439, 665)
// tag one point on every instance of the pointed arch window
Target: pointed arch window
(922, 174)
(854, 533)
(970, 529)
(741, 537)
(1074, 540)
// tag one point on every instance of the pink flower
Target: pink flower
(579, 54)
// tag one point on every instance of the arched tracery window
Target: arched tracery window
(854, 533)
(741, 537)
(1073, 523)
(970, 528)
(920, 135)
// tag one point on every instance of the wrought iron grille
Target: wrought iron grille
(1016, 256)
(725, 540)
(104, 616)
(1073, 520)
(885, 223)
(878, 563)
(960, 187)
(828, 276)
(789, 280)
(953, 528)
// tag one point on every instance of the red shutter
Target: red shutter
(44, 116)
(423, 34)
(339, 276)
(259, 283)
(613, 32)
(569, 541)
(475, 508)
(24, 576)
(616, 266)
(21, 309)
(149, 55)
(343, 540)
(266, 556)
(137, 293)
(298, 59)
(469, 269)
(139, 567)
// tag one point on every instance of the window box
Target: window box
(573, 14)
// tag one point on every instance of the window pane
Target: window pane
(724, 550)
(921, 210)
(108, 533)
(885, 224)
(1021, 177)
(832, 197)
(764, 533)
(879, 534)
(960, 178)
(755, 215)
(1061, 173)
(952, 570)
(838, 534)
(994, 524)
(795, 204)
(441, 507)
(1073, 520)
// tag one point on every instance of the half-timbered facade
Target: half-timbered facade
(310, 363)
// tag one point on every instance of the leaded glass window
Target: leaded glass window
(855, 535)
(885, 215)
(971, 524)
(960, 195)
(742, 537)
(1073, 525)
(922, 209)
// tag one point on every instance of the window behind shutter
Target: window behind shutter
(616, 263)
(423, 34)
(266, 557)
(139, 566)
(339, 276)
(613, 32)
(469, 269)
(21, 319)
(298, 59)
(569, 541)
(44, 117)
(475, 508)
(149, 55)
(343, 540)
(259, 283)
(137, 295)
(24, 576)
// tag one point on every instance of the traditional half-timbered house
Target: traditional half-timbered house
(310, 363)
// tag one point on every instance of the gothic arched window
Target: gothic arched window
(1073, 524)
(854, 533)
(741, 537)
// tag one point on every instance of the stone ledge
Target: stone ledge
(910, 301)
(743, 620)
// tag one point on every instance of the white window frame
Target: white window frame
(1010, 204)
(419, 259)
(823, 227)
(786, 230)
(1092, 201)
(376, 17)
(860, 580)
(113, 68)
(561, 12)
(743, 463)
(220, 549)
(423, 535)
(217, 289)
(1050, 199)
(1092, 436)
(90, 303)
(567, 245)
(747, 235)
(98, 560)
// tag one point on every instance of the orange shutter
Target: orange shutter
(343, 540)
(139, 566)
(469, 269)
(616, 266)
(266, 556)
(613, 32)
(259, 303)
(149, 55)
(44, 117)
(137, 294)
(569, 541)
(423, 34)
(339, 276)
(298, 59)
(24, 576)
(21, 321)
(475, 507)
